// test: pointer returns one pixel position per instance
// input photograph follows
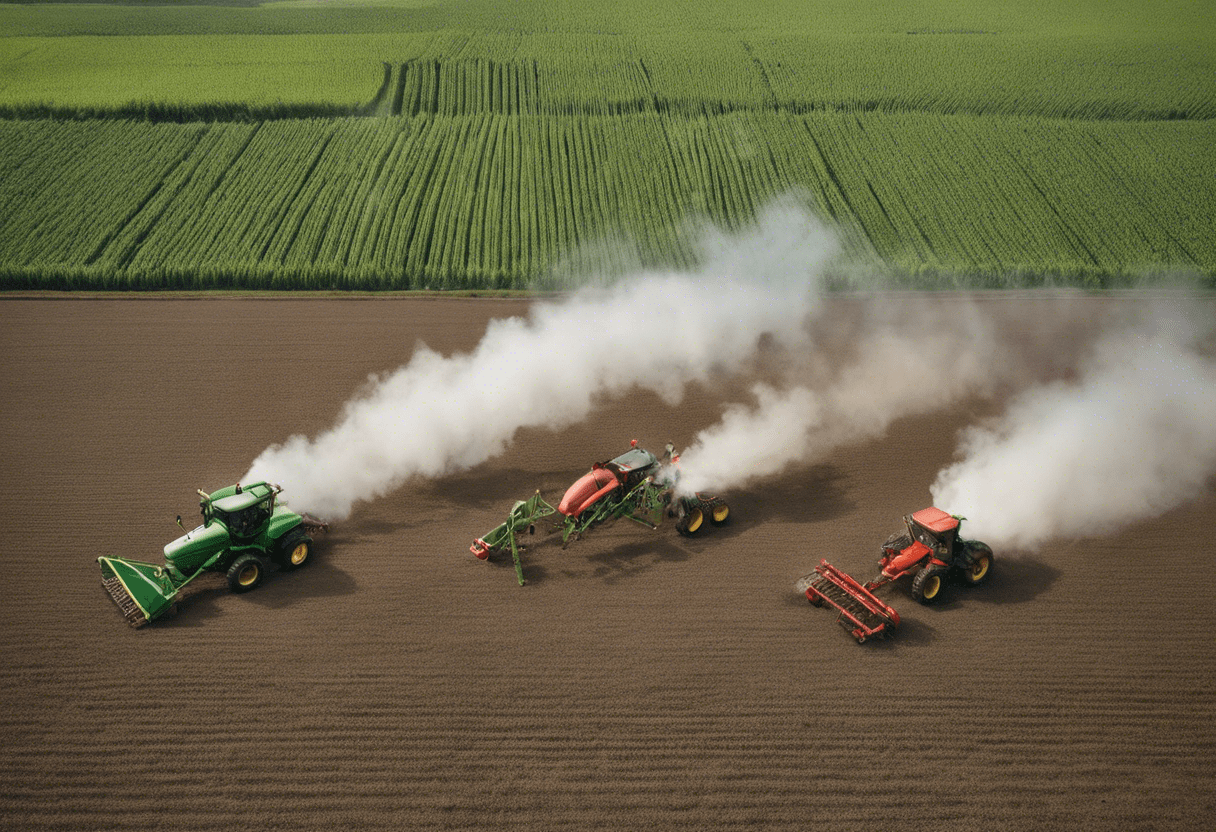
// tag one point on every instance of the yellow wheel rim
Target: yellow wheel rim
(932, 586)
(299, 554)
(721, 513)
(248, 575)
(695, 519)
(979, 569)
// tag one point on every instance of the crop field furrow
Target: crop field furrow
(848, 180)
(99, 207)
(471, 168)
(341, 210)
(470, 164)
(273, 228)
(421, 257)
(489, 181)
(309, 212)
(202, 220)
(417, 171)
(728, 207)
(1147, 174)
(180, 222)
(125, 243)
(1076, 246)
(376, 243)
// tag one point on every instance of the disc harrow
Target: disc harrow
(860, 612)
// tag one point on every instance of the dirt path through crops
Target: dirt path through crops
(640, 680)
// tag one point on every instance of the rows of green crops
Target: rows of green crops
(413, 143)
(498, 200)
(464, 73)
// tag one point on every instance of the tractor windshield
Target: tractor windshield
(923, 535)
(243, 518)
(932, 539)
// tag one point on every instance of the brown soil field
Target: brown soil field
(640, 679)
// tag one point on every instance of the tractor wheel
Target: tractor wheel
(692, 521)
(927, 585)
(245, 573)
(980, 566)
(979, 570)
(719, 514)
(294, 552)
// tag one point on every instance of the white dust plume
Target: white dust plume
(1132, 436)
(914, 356)
(659, 331)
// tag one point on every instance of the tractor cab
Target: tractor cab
(632, 465)
(245, 514)
(935, 529)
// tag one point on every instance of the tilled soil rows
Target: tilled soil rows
(639, 680)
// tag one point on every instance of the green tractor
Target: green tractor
(242, 531)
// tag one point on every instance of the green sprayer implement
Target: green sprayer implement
(243, 530)
(637, 485)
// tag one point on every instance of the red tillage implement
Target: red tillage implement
(929, 549)
(860, 612)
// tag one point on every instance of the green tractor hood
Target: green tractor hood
(193, 549)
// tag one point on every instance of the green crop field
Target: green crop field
(470, 144)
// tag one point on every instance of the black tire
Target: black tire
(692, 521)
(927, 585)
(246, 573)
(719, 512)
(294, 551)
(980, 568)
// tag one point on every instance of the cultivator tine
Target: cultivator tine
(126, 604)
(142, 591)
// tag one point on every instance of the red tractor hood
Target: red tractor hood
(588, 490)
(908, 557)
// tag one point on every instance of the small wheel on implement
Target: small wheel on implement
(692, 521)
(927, 585)
(294, 552)
(814, 597)
(245, 573)
(978, 571)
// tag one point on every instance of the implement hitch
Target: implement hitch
(523, 517)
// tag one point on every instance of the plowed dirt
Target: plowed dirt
(640, 680)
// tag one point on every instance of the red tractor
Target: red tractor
(637, 484)
(929, 550)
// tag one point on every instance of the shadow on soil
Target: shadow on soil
(352, 531)
(622, 562)
(912, 633)
(629, 560)
(1013, 581)
(494, 489)
(813, 496)
(279, 590)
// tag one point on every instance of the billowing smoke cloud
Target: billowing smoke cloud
(1132, 436)
(914, 356)
(659, 331)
